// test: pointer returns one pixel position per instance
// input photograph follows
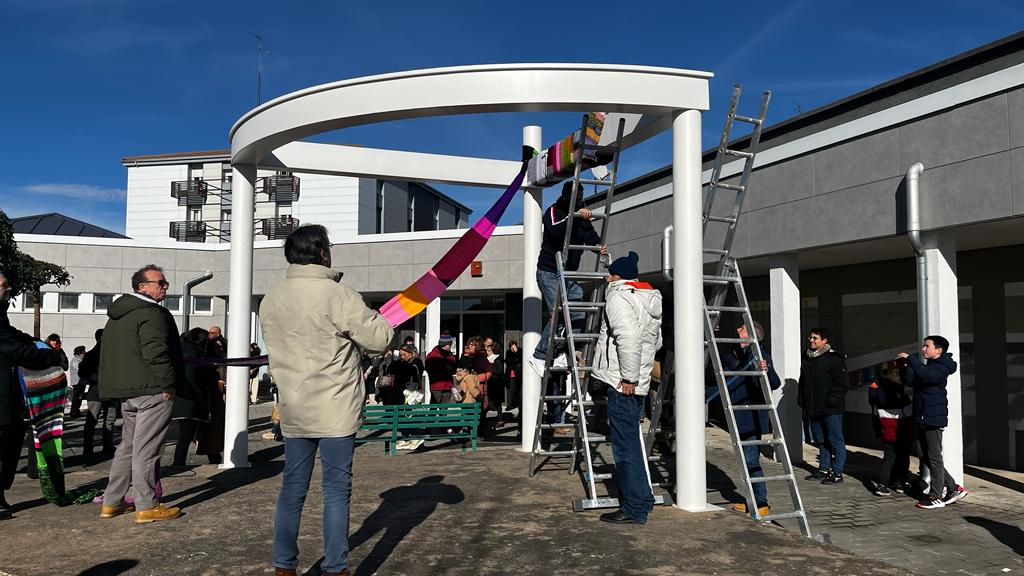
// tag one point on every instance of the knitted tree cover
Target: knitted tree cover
(45, 393)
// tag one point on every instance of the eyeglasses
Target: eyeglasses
(160, 282)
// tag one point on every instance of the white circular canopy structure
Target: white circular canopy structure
(658, 99)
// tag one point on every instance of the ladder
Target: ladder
(574, 400)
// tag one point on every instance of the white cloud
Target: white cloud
(80, 191)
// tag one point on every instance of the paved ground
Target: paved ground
(443, 512)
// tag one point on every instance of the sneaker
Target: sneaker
(762, 509)
(537, 365)
(414, 444)
(112, 511)
(833, 478)
(402, 445)
(929, 503)
(882, 490)
(156, 514)
(900, 487)
(268, 435)
(817, 475)
(955, 497)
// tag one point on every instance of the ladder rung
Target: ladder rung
(764, 479)
(735, 340)
(654, 458)
(724, 219)
(585, 275)
(769, 442)
(557, 426)
(578, 338)
(585, 305)
(716, 251)
(747, 119)
(726, 308)
(557, 397)
(738, 153)
(727, 186)
(594, 182)
(781, 516)
(566, 368)
(596, 438)
(741, 372)
(602, 476)
(752, 406)
(584, 247)
(555, 452)
(721, 279)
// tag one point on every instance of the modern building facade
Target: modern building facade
(821, 241)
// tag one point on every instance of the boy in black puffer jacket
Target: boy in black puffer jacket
(894, 427)
(926, 373)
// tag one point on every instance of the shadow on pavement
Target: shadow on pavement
(401, 510)
(263, 467)
(109, 568)
(995, 479)
(1011, 536)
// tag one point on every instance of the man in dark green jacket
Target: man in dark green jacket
(141, 365)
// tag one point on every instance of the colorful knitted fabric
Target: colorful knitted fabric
(45, 394)
(416, 297)
(558, 161)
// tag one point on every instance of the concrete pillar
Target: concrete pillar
(433, 328)
(688, 296)
(944, 320)
(787, 346)
(532, 303)
(236, 420)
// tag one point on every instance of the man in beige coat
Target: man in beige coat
(316, 330)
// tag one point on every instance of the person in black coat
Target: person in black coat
(16, 349)
(821, 394)
(893, 427)
(926, 372)
(192, 407)
(102, 412)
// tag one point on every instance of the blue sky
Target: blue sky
(87, 82)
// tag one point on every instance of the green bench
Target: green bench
(461, 419)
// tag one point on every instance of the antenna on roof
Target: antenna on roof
(260, 53)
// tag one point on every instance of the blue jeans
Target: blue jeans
(631, 474)
(548, 284)
(752, 456)
(832, 446)
(336, 462)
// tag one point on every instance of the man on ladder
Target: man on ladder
(630, 335)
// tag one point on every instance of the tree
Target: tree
(25, 273)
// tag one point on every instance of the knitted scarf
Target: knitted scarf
(45, 394)
(823, 349)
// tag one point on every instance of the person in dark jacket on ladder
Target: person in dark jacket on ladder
(926, 372)
(822, 393)
(750, 424)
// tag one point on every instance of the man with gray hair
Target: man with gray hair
(141, 364)
(750, 425)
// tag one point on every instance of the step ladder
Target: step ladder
(573, 401)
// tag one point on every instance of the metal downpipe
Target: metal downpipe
(186, 298)
(914, 235)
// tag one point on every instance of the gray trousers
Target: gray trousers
(146, 419)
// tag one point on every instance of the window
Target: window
(68, 301)
(195, 215)
(172, 303)
(380, 207)
(411, 211)
(103, 302)
(202, 304)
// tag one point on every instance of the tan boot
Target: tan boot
(742, 507)
(156, 514)
(112, 511)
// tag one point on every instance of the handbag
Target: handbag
(456, 394)
(385, 381)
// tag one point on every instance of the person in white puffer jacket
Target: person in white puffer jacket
(630, 335)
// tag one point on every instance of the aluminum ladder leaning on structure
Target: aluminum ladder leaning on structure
(573, 398)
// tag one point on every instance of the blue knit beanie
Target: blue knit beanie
(626, 266)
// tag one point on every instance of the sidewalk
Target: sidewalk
(978, 535)
(431, 512)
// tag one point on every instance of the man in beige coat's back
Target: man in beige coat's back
(316, 330)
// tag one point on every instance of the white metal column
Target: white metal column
(433, 328)
(688, 296)
(944, 320)
(786, 345)
(236, 421)
(532, 304)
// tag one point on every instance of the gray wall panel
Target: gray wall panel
(630, 224)
(780, 183)
(52, 253)
(1015, 103)
(382, 254)
(344, 256)
(367, 206)
(1017, 180)
(860, 161)
(968, 131)
(862, 212)
(782, 228)
(96, 256)
(969, 191)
